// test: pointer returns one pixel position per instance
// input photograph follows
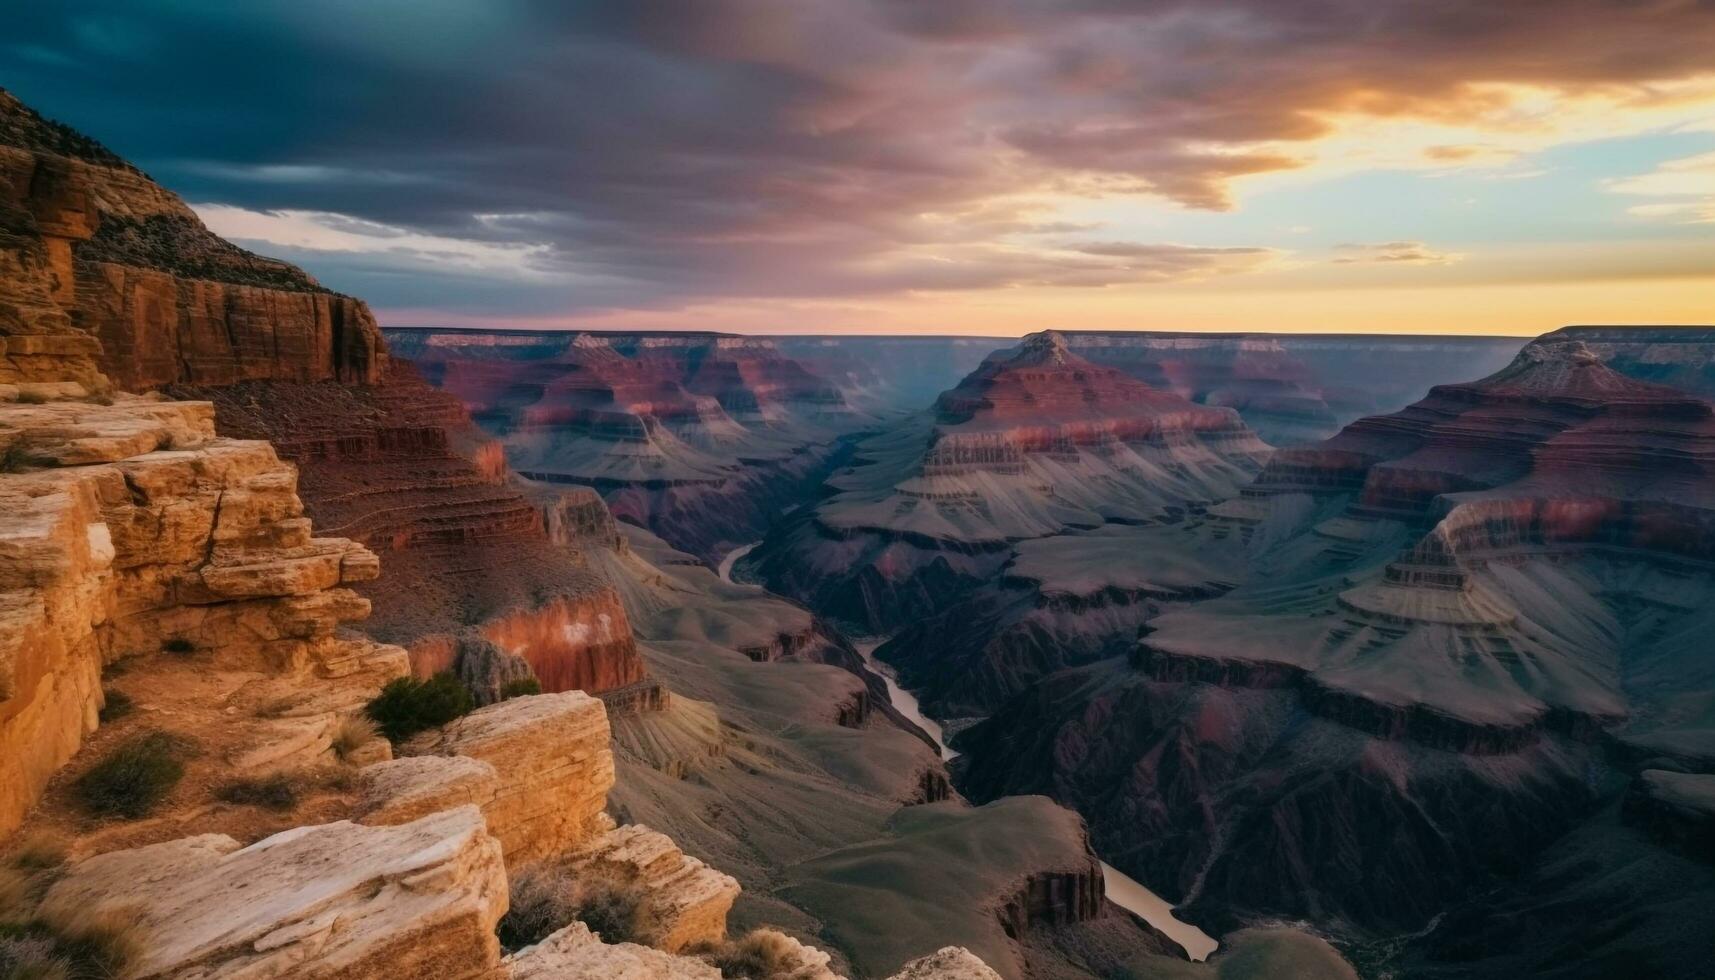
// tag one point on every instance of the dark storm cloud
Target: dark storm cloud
(678, 150)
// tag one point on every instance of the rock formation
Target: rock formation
(1464, 622)
(131, 529)
(1036, 442)
(113, 273)
(703, 438)
(1292, 389)
(417, 900)
(553, 764)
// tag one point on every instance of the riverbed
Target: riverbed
(1126, 892)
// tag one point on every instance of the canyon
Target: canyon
(239, 521)
(913, 657)
(1428, 659)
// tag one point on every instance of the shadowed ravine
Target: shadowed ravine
(1124, 891)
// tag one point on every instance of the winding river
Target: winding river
(1124, 891)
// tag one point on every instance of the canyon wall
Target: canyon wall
(1445, 641)
(1036, 442)
(115, 273)
(703, 438)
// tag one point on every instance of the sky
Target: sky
(938, 166)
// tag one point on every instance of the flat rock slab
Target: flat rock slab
(412, 902)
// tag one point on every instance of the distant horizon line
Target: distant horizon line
(1076, 331)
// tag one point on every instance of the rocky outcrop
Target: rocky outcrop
(554, 764)
(169, 302)
(947, 963)
(338, 901)
(1461, 622)
(575, 953)
(1676, 356)
(1035, 442)
(466, 550)
(113, 273)
(703, 438)
(685, 902)
(130, 528)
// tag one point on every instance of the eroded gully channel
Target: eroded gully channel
(1123, 890)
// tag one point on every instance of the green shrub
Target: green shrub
(407, 706)
(521, 688)
(134, 777)
(179, 646)
(545, 899)
(115, 704)
(276, 792)
(32, 397)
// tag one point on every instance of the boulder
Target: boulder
(947, 963)
(575, 953)
(683, 901)
(412, 902)
(555, 763)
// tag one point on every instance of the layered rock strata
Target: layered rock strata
(1464, 622)
(703, 438)
(553, 764)
(130, 529)
(106, 271)
(420, 899)
(1036, 442)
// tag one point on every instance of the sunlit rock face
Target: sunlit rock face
(1681, 357)
(703, 438)
(168, 300)
(1035, 442)
(106, 271)
(1446, 638)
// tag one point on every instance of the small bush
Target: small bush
(37, 852)
(179, 647)
(30, 396)
(407, 706)
(15, 459)
(761, 954)
(90, 946)
(276, 792)
(522, 688)
(115, 704)
(353, 733)
(546, 899)
(135, 777)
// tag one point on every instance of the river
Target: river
(732, 557)
(1126, 892)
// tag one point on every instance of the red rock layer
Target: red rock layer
(170, 301)
(703, 438)
(93, 251)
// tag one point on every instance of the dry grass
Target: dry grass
(761, 954)
(353, 733)
(546, 899)
(82, 945)
(277, 792)
(38, 851)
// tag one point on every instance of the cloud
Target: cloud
(1688, 184)
(1392, 253)
(661, 153)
